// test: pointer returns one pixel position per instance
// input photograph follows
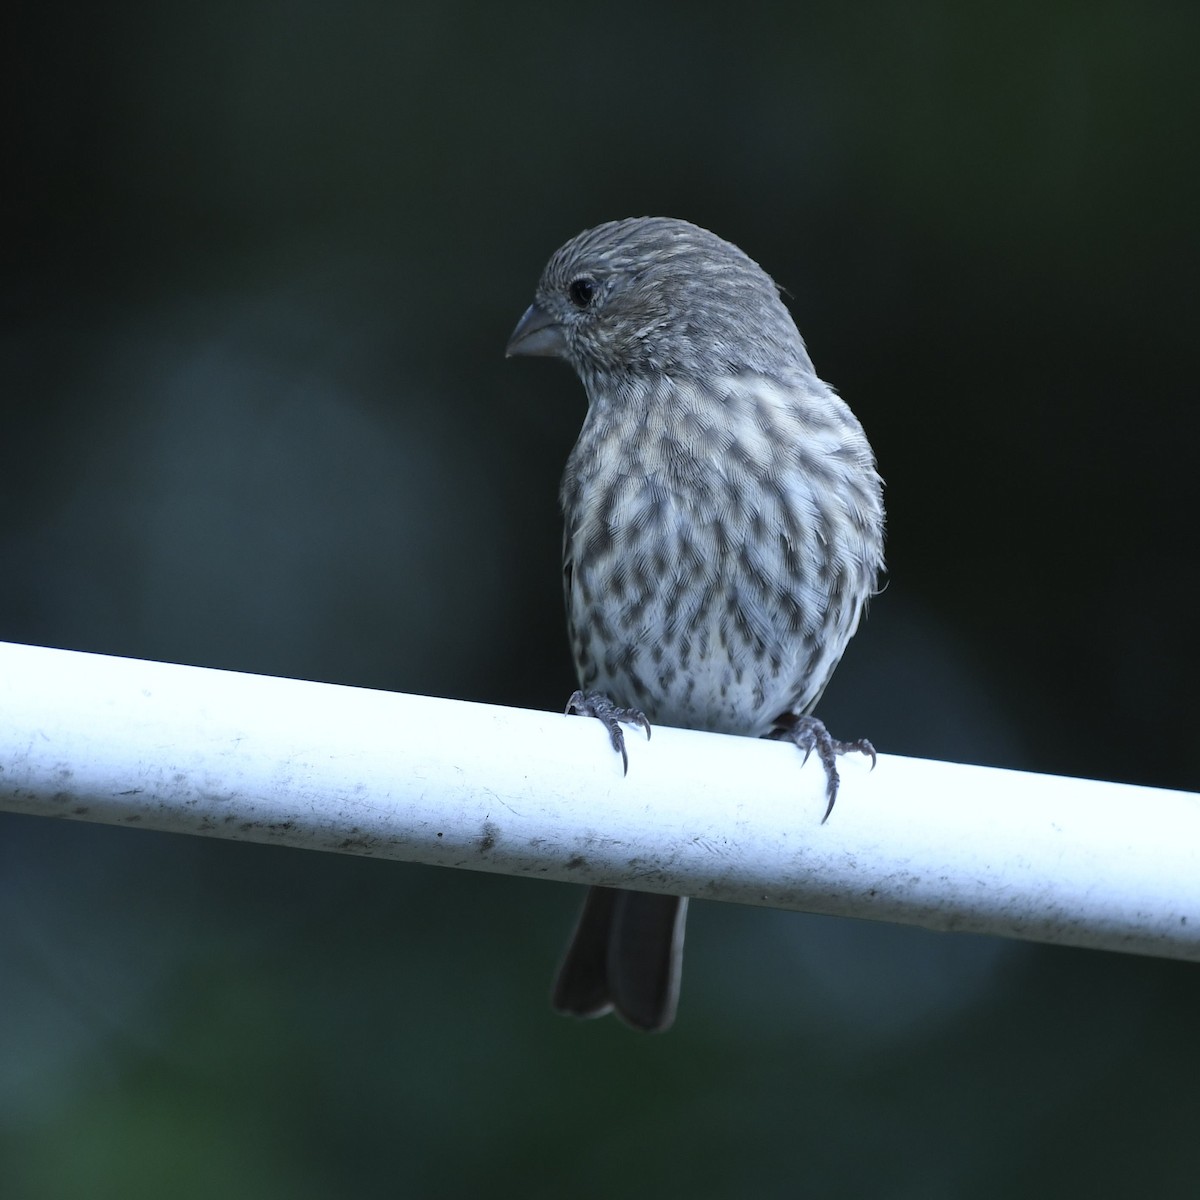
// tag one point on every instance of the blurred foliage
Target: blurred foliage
(261, 263)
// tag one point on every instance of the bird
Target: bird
(723, 528)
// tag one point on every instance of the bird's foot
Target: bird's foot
(809, 734)
(598, 705)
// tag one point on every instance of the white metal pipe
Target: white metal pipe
(192, 750)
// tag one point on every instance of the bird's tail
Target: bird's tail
(626, 956)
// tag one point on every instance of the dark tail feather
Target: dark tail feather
(625, 955)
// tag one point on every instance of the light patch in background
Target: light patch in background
(250, 502)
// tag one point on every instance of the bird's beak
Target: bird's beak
(536, 334)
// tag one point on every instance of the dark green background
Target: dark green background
(261, 263)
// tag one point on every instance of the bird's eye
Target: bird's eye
(581, 291)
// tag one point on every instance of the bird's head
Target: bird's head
(652, 295)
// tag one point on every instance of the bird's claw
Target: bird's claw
(611, 716)
(809, 734)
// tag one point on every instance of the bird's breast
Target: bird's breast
(713, 576)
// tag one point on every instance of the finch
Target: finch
(723, 532)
